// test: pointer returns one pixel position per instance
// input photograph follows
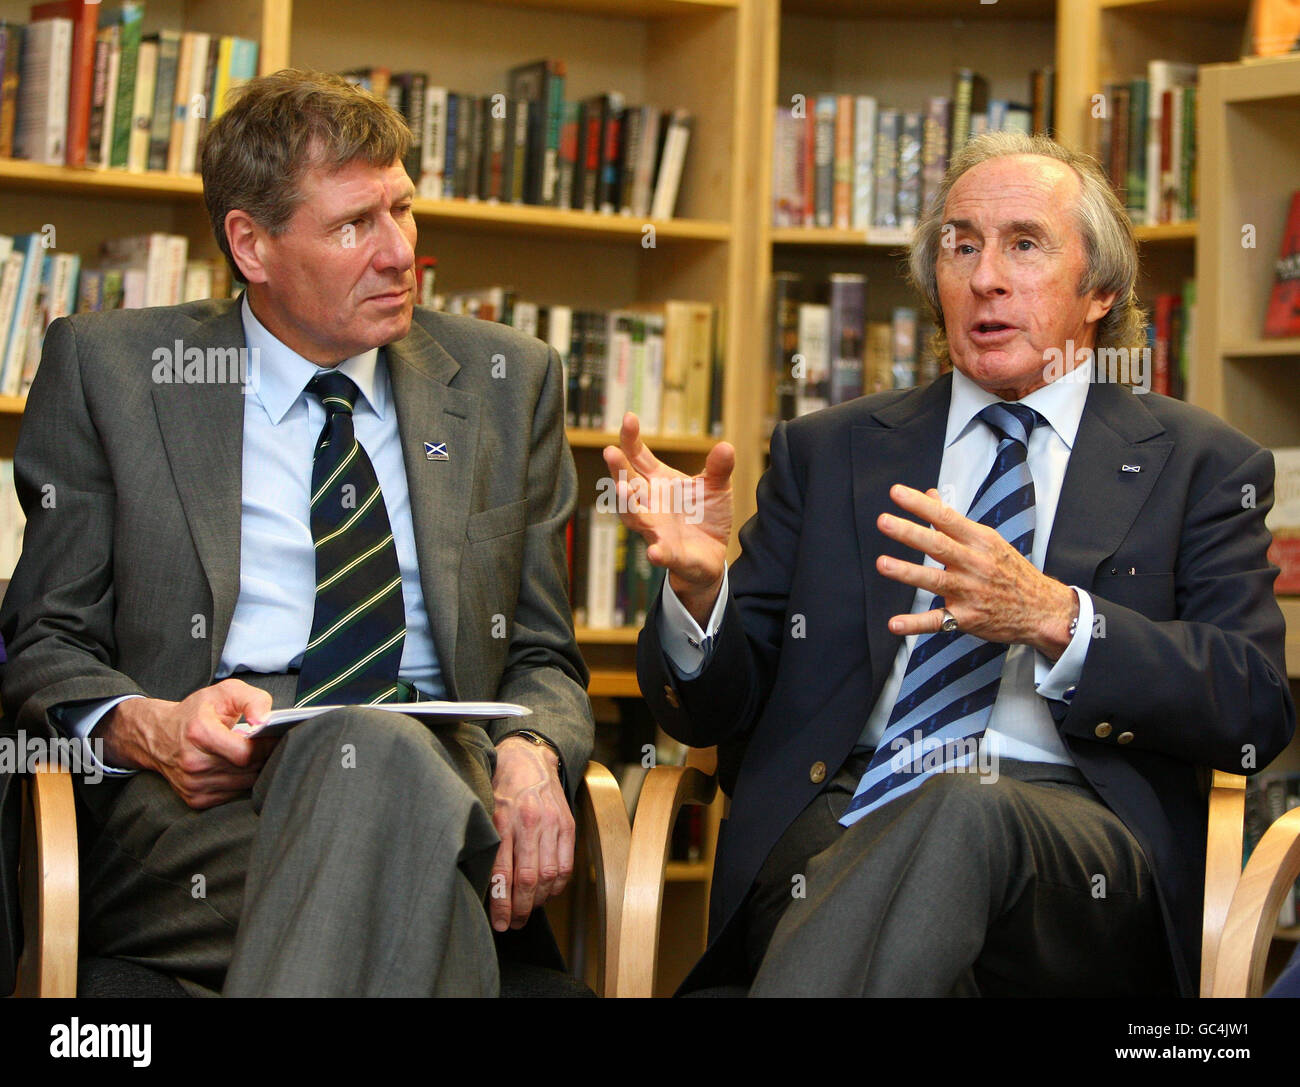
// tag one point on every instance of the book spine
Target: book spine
(864, 156)
(824, 184)
(848, 318)
(842, 187)
(909, 168)
(164, 96)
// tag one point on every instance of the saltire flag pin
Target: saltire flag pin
(435, 451)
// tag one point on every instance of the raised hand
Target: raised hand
(685, 520)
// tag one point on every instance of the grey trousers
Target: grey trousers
(357, 866)
(1026, 886)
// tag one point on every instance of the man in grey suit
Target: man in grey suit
(169, 586)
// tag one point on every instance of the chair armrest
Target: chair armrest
(603, 826)
(1270, 873)
(1227, 812)
(665, 790)
(48, 874)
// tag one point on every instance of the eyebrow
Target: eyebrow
(359, 211)
(1015, 226)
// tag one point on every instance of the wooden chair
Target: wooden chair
(49, 881)
(1240, 907)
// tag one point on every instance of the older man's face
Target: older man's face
(340, 279)
(1009, 282)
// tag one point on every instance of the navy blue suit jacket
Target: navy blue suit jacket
(1189, 674)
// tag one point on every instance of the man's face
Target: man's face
(340, 278)
(1009, 282)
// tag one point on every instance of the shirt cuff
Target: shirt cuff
(1059, 680)
(687, 647)
(78, 721)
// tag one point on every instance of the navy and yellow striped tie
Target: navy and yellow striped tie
(359, 623)
(952, 679)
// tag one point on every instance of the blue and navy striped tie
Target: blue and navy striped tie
(359, 624)
(952, 679)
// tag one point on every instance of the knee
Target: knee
(360, 738)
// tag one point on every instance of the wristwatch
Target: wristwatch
(541, 741)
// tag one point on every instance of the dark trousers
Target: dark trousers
(357, 866)
(1024, 886)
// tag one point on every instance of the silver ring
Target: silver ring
(949, 622)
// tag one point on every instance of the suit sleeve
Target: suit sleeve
(1207, 684)
(57, 618)
(724, 701)
(543, 668)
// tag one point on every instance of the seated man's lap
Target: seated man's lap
(164, 884)
(1026, 883)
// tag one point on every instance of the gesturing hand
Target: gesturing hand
(685, 520)
(190, 743)
(535, 858)
(991, 589)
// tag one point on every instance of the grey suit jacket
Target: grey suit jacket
(132, 490)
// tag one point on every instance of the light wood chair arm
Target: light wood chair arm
(604, 828)
(1270, 873)
(1222, 866)
(48, 866)
(665, 790)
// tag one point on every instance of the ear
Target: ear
(1100, 305)
(246, 240)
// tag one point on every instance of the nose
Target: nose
(396, 245)
(989, 275)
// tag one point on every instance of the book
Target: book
(814, 354)
(847, 331)
(142, 103)
(542, 82)
(787, 291)
(671, 163)
(1283, 316)
(280, 721)
(909, 168)
(843, 164)
(864, 157)
(164, 97)
(824, 160)
(970, 96)
(84, 17)
(11, 54)
(41, 121)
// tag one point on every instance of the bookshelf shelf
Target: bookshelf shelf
(520, 219)
(607, 635)
(635, 9)
(1214, 9)
(934, 9)
(819, 237)
(1285, 347)
(1158, 233)
(691, 872)
(613, 683)
(1291, 613)
(598, 439)
(20, 174)
(12, 405)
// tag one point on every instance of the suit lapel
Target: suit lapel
(1113, 468)
(429, 410)
(900, 443)
(202, 428)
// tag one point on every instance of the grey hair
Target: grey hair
(1109, 246)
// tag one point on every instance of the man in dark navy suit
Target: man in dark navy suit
(1019, 808)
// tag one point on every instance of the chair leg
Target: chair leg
(48, 875)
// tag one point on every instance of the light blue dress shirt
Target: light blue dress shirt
(277, 558)
(1021, 725)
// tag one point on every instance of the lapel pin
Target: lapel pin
(1130, 467)
(435, 451)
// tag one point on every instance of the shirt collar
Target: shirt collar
(1060, 402)
(283, 374)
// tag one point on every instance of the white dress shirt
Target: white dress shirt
(1021, 725)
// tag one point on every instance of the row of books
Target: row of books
(1269, 796)
(1147, 142)
(83, 86)
(824, 351)
(844, 161)
(1170, 332)
(1283, 521)
(528, 145)
(12, 521)
(664, 363)
(611, 581)
(39, 284)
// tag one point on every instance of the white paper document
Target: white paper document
(278, 721)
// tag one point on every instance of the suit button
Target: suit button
(670, 696)
(817, 772)
(1102, 730)
(1124, 738)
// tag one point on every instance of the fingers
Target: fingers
(719, 465)
(499, 888)
(929, 507)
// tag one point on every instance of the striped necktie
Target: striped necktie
(952, 678)
(359, 623)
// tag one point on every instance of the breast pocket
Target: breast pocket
(498, 521)
(1151, 595)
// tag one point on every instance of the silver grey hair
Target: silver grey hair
(1110, 249)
